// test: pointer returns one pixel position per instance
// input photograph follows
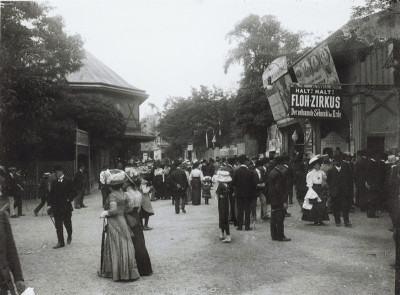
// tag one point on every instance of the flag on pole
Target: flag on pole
(206, 140)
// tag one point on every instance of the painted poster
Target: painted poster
(279, 111)
(317, 67)
(275, 70)
(283, 87)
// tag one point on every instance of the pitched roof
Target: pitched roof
(96, 74)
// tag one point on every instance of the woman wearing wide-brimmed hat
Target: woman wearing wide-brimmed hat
(132, 216)
(314, 209)
(119, 261)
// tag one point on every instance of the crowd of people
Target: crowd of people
(333, 183)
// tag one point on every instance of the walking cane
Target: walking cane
(102, 245)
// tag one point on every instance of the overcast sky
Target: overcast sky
(167, 47)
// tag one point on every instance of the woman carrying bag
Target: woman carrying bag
(314, 209)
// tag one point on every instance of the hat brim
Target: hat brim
(387, 162)
(115, 182)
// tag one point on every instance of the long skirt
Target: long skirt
(196, 191)
(223, 210)
(318, 211)
(141, 254)
(119, 254)
(160, 187)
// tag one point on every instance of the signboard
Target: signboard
(275, 70)
(317, 67)
(82, 137)
(315, 103)
(226, 152)
(190, 147)
(308, 139)
(241, 149)
(274, 139)
(333, 140)
(277, 107)
(283, 87)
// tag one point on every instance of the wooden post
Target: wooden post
(358, 121)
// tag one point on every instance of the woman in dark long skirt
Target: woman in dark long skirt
(195, 178)
(314, 209)
(132, 217)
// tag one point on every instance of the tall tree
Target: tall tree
(258, 41)
(188, 120)
(370, 7)
(36, 55)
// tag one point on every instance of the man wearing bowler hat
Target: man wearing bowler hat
(278, 197)
(61, 196)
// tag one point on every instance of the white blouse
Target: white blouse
(196, 173)
(315, 177)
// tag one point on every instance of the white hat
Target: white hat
(223, 176)
(116, 176)
(314, 159)
(392, 159)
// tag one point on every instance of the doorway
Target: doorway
(376, 144)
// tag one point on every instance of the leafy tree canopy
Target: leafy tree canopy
(188, 120)
(258, 41)
(93, 113)
(36, 55)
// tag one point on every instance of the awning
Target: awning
(141, 136)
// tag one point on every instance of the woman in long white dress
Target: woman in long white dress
(314, 209)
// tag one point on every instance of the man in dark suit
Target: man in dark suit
(9, 261)
(337, 179)
(232, 204)
(360, 170)
(61, 196)
(278, 198)
(372, 182)
(79, 186)
(244, 183)
(179, 185)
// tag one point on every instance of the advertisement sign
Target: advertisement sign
(277, 107)
(226, 152)
(317, 67)
(308, 139)
(315, 103)
(274, 139)
(275, 70)
(282, 85)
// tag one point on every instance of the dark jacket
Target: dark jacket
(337, 182)
(244, 183)
(79, 181)
(360, 171)
(261, 179)
(277, 187)
(9, 261)
(178, 176)
(61, 195)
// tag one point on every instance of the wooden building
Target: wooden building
(96, 78)
(366, 54)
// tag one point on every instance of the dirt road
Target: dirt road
(188, 257)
